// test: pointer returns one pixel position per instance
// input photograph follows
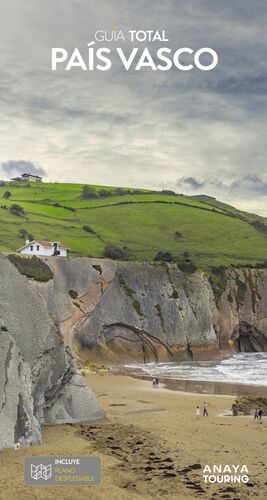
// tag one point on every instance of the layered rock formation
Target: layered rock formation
(39, 380)
(126, 311)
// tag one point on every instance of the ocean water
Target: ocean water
(243, 368)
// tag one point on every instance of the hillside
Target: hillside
(141, 223)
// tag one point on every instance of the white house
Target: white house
(27, 178)
(43, 248)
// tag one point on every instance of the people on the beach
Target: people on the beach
(205, 409)
(260, 413)
(197, 412)
(154, 383)
(256, 414)
(157, 383)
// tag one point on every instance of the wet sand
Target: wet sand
(151, 446)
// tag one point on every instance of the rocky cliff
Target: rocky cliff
(126, 311)
(39, 380)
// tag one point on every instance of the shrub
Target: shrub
(218, 281)
(16, 210)
(120, 191)
(32, 268)
(89, 192)
(23, 233)
(7, 195)
(168, 192)
(164, 257)
(188, 266)
(178, 234)
(137, 307)
(89, 229)
(103, 193)
(73, 294)
(115, 253)
(3, 328)
(58, 205)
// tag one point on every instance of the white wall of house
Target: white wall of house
(38, 249)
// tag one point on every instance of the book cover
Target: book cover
(133, 250)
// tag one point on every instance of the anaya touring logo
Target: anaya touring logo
(225, 474)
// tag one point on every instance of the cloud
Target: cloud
(191, 182)
(16, 167)
(240, 187)
(138, 128)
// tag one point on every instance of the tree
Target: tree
(115, 253)
(89, 192)
(89, 229)
(164, 257)
(103, 193)
(23, 233)
(16, 210)
(7, 195)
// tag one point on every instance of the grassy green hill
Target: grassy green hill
(139, 222)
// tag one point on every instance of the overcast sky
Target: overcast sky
(194, 132)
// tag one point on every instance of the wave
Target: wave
(243, 368)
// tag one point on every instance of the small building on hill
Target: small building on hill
(27, 178)
(43, 248)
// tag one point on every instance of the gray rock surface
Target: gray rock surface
(127, 311)
(39, 380)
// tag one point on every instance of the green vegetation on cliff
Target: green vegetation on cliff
(32, 267)
(137, 224)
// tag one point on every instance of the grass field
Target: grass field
(140, 222)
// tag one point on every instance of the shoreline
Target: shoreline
(208, 387)
(151, 446)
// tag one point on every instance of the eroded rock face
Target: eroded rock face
(39, 380)
(127, 311)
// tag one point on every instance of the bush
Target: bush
(58, 205)
(168, 192)
(16, 210)
(115, 253)
(119, 191)
(32, 268)
(89, 229)
(23, 233)
(89, 193)
(188, 267)
(164, 257)
(178, 234)
(73, 294)
(103, 193)
(7, 195)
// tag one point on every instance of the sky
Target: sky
(194, 132)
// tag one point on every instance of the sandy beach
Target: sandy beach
(151, 446)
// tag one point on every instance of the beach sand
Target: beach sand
(151, 446)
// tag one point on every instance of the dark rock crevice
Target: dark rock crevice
(248, 338)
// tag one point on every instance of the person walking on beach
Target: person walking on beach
(197, 412)
(260, 412)
(157, 383)
(154, 383)
(256, 414)
(205, 410)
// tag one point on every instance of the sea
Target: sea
(240, 371)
